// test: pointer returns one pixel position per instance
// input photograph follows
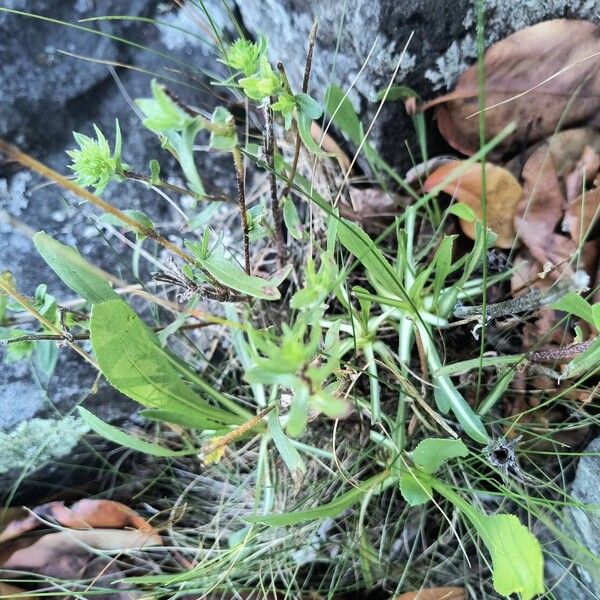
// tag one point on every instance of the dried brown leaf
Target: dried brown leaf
(503, 194)
(532, 76)
(373, 208)
(581, 214)
(584, 171)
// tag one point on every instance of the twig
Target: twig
(560, 353)
(269, 147)
(305, 80)
(238, 163)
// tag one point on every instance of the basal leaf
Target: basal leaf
(74, 270)
(132, 361)
(517, 560)
(414, 490)
(291, 456)
(118, 436)
(432, 453)
(574, 304)
(304, 126)
(341, 111)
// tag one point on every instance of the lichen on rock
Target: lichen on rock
(36, 441)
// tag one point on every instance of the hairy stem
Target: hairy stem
(238, 162)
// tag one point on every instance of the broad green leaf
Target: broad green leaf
(132, 361)
(517, 560)
(45, 355)
(227, 140)
(443, 265)
(74, 270)
(432, 453)
(291, 456)
(464, 366)
(414, 490)
(325, 511)
(291, 219)
(118, 436)
(574, 304)
(462, 211)
(233, 276)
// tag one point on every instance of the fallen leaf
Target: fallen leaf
(63, 554)
(441, 593)
(584, 171)
(329, 145)
(532, 77)
(85, 514)
(503, 194)
(540, 211)
(373, 208)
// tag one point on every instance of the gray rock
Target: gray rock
(582, 522)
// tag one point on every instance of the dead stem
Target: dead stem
(560, 353)
(305, 80)
(238, 163)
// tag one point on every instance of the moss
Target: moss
(36, 441)
(503, 17)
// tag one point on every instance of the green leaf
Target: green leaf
(357, 242)
(414, 490)
(118, 436)
(190, 421)
(45, 355)
(328, 510)
(340, 109)
(596, 315)
(432, 453)
(309, 106)
(162, 114)
(462, 211)
(517, 560)
(231, 275)
(74, 270)
(133, 362)
(291, 456)
(154, 172)
(291, 219)
(227, 139)
(304, 125)
(496, 392)
(574, 304)
(137, 215)
(586, 363)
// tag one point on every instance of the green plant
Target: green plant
(358, 317)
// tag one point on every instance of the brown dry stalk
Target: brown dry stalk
(45, 171)
(238, 163)
(560, 353)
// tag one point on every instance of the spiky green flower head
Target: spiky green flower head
(93, 163)
(245, 56)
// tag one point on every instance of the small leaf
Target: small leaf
(414, 490)
(432, 453)
(304, 127)
(340, 109)
(137, 215)
(117, 436)
(291, 219)
(227, 139)
(154, 172)
(74, 270)
(574, 304)
(462, 211)
(291, 456)
(309, 106)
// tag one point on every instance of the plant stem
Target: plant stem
(238, 163)
(305, 80)
(269, 147)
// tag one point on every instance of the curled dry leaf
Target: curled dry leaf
(532, 76)
(441, 593)
(581, 215)
(503, 194)
(584, 171)
(64, 553)
(373, 208)
(85, 514)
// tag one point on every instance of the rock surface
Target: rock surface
(47, 94)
